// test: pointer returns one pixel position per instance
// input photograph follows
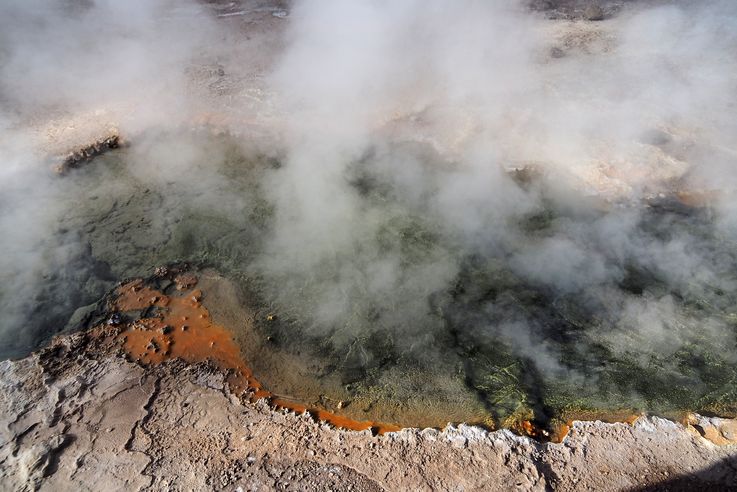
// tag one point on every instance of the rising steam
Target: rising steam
(453, 182)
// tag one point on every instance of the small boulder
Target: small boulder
(185, 281)
(556, 52)
(542, 5)
(593, 12)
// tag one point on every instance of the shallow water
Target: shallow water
(458, 331)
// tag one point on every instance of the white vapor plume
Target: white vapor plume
(445, 176)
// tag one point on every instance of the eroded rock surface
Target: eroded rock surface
(74, 418)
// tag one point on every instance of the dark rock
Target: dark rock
(80, 316)
(593, 13)
(84, 155)
(542, 5)
(656, 137)
(556, 52)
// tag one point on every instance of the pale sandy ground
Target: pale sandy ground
(76, 418)
(228, 90)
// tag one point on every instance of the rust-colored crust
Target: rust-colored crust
(179, 326)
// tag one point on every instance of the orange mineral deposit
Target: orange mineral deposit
(181, 328)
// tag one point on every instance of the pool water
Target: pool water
(545, 311)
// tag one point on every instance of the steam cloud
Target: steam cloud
(633, 114)
(468, 164)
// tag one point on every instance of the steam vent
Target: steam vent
(368, 245)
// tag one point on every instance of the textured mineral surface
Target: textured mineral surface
(73, 417)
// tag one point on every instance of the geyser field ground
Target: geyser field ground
(77, 419)
(145, 387)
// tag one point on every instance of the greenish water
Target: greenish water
(549, 308)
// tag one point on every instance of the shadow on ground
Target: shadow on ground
(721, 476)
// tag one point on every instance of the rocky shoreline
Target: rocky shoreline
(75, 416)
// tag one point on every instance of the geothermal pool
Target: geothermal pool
(404, 313)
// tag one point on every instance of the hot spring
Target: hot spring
(404, 212)
(579, 308)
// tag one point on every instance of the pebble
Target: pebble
(593, 13)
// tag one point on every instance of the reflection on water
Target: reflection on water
(407, 322)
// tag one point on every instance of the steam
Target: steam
(72, 72)
(405, 120)
(472, 171)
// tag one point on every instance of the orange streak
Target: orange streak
(181, 328)
(560, 432)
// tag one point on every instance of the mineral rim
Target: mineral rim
(75, 416)
(180, 327)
